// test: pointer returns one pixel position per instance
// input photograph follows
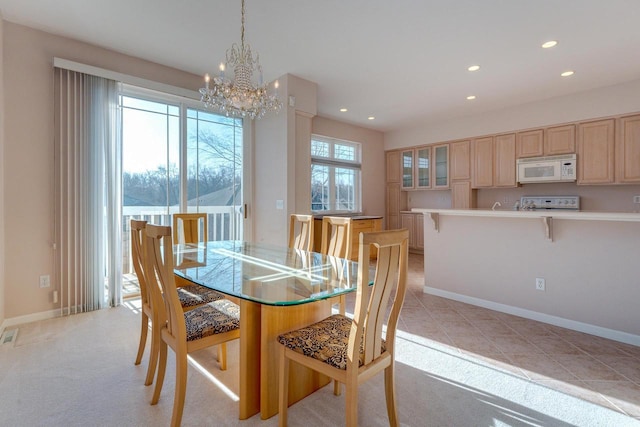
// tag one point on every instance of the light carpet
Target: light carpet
(79, 371)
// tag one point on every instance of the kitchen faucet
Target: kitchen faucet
(493, 208)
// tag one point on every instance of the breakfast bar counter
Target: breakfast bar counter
(574, 269)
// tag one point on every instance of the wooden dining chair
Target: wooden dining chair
(301, 232)
(190, 228)
(211, 324)
(352, 351)
(336, 241)
(190, 296)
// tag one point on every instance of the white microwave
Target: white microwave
(547, 169)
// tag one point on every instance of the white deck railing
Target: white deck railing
(223, 223)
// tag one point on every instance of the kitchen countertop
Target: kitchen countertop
(550, 213)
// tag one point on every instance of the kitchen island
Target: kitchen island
(589, 263)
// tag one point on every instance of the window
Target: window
(335, 175)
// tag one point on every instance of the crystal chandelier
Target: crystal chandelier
(240, 97)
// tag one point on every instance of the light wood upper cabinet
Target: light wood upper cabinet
(460, 161)
(482, 162)
(394, 174)
(530, 143)
(441, 166)
(595, 152)
(628, 150)
(560, 140)
(407, 161)
(505, 160)
(548, 142)
(423, 168)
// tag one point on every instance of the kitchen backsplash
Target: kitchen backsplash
(605, 198)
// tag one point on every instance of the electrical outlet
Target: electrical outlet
(45, 281)
(540, 283)
(636, 199)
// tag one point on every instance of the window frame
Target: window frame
(332, 163)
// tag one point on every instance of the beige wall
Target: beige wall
(280, 141)
(602, 102)
(28, 152)
(591, 269)
(373, 160)
(2, 172)
(606, 198)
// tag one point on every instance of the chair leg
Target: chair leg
(283, 401)
(181, 388)
(162, 367)
(222, 356)
(351, 403)
(144, 328)
(153, 355)
(337, 389)
(390, 393)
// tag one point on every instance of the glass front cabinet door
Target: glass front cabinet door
(407, 169)
(423, 167)
(441, 159)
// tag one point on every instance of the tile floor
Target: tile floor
(599, 370)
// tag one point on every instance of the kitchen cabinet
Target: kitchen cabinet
(423, 168)
(596, 152)
(408, 160)
(395, 197)
(628, 150)
(394, 174)
(441, 166)
(546, 142)
(482, 162)
(394, 205)
(414, 222)
(460, 161)
(363, 224)
(416, 169)
(462, 195)
(530, 143)
(493, 161)
(560, 140)
(505, 161)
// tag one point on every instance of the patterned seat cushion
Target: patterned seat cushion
(214, 318)
(326, 340)
(193, 295)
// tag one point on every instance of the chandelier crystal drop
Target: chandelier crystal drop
(240, 97)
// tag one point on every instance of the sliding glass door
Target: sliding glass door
(178, 158)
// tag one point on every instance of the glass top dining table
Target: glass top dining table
(265, 273)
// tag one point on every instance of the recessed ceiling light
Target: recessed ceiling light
(550, 43)
(470, 97)
(474, 68)
(371, 118)
(567, 73)
(343, 110)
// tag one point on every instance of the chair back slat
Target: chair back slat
(301, 232)
(336, 236)
(372, 302)
(138, 257)
(190, 228)
(160, 262)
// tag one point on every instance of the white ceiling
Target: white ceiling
(402, 61)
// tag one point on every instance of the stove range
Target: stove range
(534, 203)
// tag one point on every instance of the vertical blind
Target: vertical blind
(88, 219)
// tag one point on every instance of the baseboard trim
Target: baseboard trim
(28, 318)
(541, 317)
